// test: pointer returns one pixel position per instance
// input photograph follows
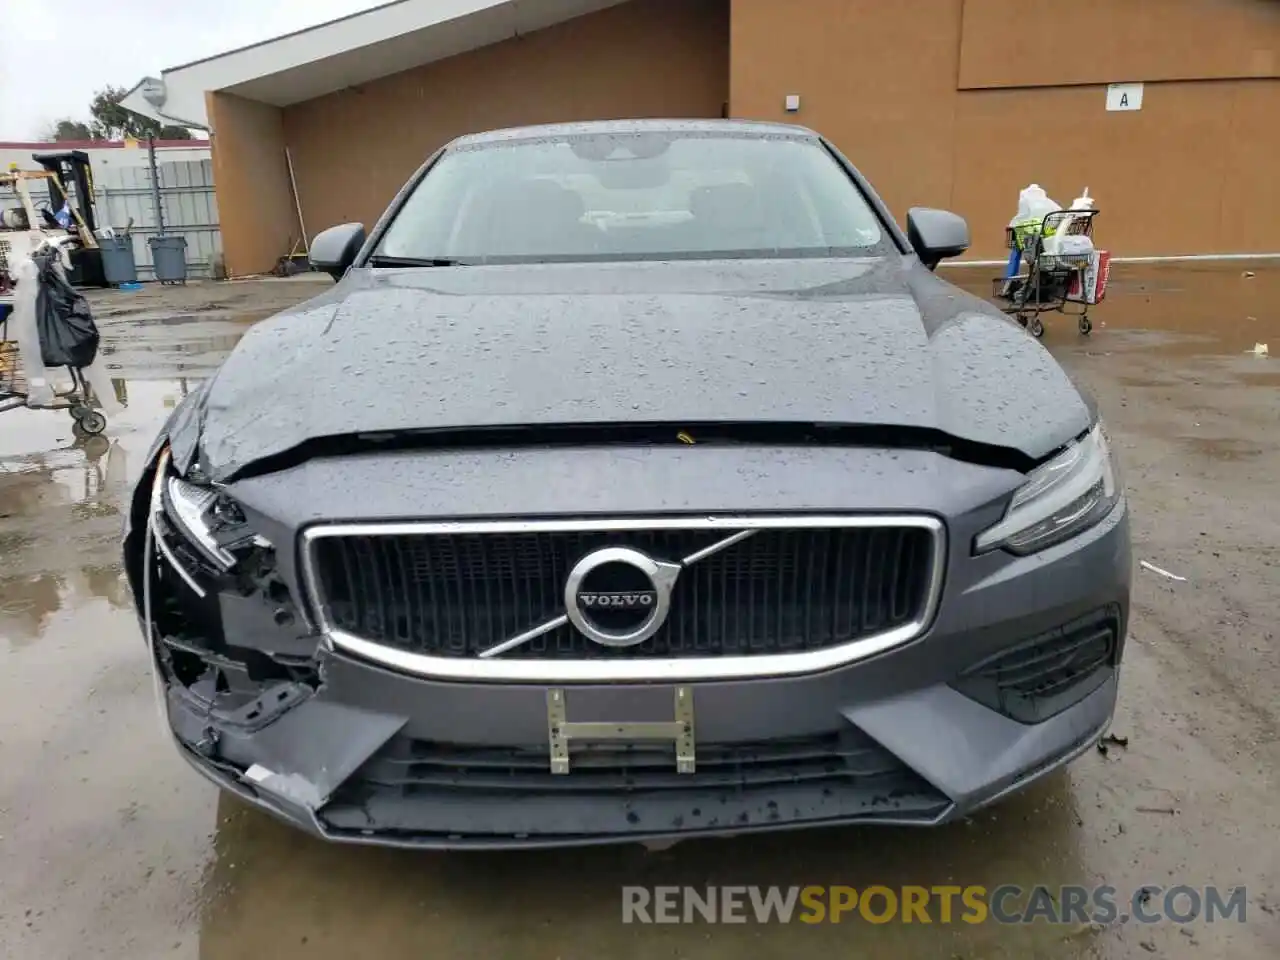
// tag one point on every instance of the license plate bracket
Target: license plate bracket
(679, 730)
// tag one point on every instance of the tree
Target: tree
(113, 122)
(68, 129)
(170, 132)
(110, 120)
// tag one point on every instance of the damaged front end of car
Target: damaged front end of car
(237, 664)
(323, 724)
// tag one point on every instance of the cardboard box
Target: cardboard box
(1102, 276)
(1093, 279)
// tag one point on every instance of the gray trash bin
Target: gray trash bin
(170, 257)
(118, 263)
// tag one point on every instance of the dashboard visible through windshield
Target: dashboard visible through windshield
(634, 196)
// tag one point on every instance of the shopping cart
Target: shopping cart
(1053, 282)
(15, 390)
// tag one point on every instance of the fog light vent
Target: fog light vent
(1043, 676)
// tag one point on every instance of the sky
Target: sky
(55, 55)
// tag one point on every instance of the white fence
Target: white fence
(186, 197)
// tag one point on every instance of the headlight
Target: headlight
(191, 507)
(1061, 498)
(211, 524)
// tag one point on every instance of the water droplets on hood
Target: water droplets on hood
(473, 355)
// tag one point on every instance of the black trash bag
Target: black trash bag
(68, 335)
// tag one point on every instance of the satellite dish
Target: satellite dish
(154, 92)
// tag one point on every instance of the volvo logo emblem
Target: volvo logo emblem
(642, 599)
(619, 597)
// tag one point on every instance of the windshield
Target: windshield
(645, 196)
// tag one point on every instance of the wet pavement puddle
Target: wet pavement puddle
(61, 496)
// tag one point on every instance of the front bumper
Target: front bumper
(366, 755)
(994, 758)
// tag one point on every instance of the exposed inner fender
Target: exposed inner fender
(256, 715)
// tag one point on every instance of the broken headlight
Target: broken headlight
(194, 511)
(1059, 499)
(198, 521)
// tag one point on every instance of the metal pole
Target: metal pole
(155, 184)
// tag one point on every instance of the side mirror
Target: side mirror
(334, 250)
(936, 234)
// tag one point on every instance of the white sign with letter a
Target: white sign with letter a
(1124, 96)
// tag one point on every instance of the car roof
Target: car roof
(549, 130)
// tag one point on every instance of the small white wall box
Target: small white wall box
(1124, 96)
(793, 102)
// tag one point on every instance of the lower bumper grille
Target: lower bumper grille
(1043, 676)
(415, 786)
(778, 590)
(410, 765)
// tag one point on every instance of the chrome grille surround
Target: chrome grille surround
(508, 668)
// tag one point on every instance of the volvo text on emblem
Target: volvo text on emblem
(644, 599)
(619, 597)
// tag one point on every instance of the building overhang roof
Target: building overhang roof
(345, 53)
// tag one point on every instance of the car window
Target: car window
(638, 196)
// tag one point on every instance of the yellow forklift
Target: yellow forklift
(70, 182)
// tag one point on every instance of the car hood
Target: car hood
(842, 342)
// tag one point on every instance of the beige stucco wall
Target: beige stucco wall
(255, 206)
(1192, 172)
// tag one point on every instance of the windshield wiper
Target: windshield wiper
(382, 260)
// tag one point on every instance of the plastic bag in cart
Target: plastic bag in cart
(1068, 245)
(68, 335)
(1033, 206)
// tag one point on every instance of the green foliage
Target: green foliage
(67, 129)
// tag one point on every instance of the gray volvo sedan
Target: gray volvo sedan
(635, 481)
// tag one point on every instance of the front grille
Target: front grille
(780, 590)
(421, 786)
(1043, 676)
